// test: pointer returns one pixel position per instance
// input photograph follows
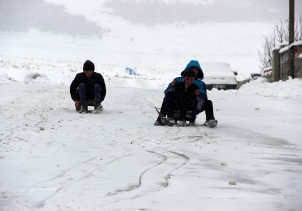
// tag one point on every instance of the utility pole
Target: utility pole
(291, 38)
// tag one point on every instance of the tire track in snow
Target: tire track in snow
(166, 178)
(42, 203)
(90, 174)
(186, 160)
(57, 176)
(133, 187)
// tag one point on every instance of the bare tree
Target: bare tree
(278, 36)
(298, 27)
(266, 56)
(281, 29)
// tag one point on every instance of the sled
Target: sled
(188, 117)
(177, 114)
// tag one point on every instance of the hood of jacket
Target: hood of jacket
(194, 63)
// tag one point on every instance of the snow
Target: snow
(284, 49)
(297, 43)
(53, 158)
(282, 89)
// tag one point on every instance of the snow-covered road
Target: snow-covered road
(53, 158)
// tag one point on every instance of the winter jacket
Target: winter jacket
(185, 95)
(183, 99)
(198, 80)
(201, 87)
(96, 78)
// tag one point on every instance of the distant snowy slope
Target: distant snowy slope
(17, 16)
(159, 47)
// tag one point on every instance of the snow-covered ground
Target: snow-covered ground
(53, 158)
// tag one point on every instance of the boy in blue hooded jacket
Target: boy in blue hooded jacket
(202, 102)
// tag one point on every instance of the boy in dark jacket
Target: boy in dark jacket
(202, 102)
(182, 99)
(88, 87)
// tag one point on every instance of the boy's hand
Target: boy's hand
(197, 92)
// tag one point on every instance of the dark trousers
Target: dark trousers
(169, 105)
(167, 101)
(89, 94)
(208, 108)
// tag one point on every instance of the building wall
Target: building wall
(298, 62)
(298, 68)
(283, 59)
(275, 75)
(284, 66)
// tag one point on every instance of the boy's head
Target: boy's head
(189, 76)
(88, 68)
(196, 70)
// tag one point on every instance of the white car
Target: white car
(219, 75)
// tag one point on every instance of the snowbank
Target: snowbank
(291, 88)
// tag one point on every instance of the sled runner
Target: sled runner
(89, 103)
(189, 120)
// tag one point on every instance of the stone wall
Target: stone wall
(284, 65)
(281, 70)
(298, 67)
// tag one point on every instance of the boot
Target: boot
(77, 105)
(84, 109)
(160, 121)
(211, 123)
(98, 108)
